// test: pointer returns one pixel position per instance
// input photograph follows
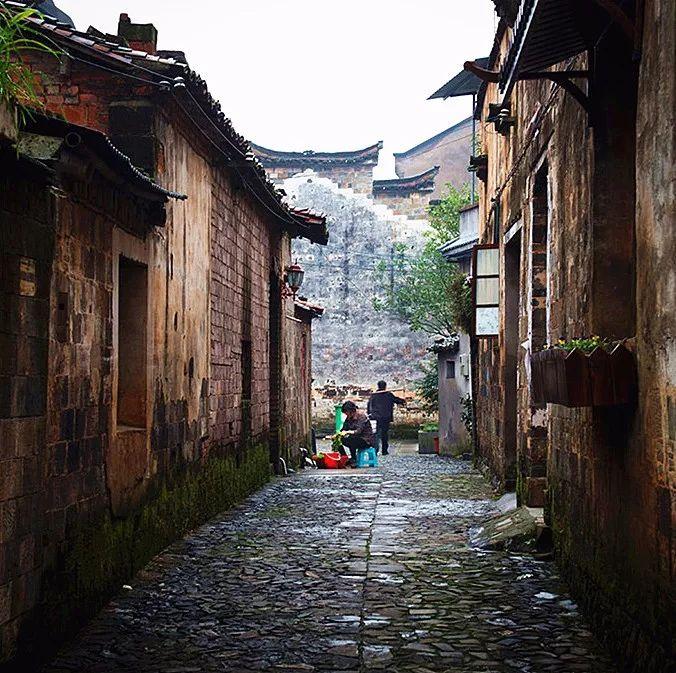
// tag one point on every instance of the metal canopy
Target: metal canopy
(546, 32)
(463, 84)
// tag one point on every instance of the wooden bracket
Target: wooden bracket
(483, 74)
(563, 79)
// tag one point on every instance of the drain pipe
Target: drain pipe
(283, 464)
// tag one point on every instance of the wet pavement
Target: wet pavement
(354, 570)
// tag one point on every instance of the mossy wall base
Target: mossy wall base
(107, 552)
(636, 627)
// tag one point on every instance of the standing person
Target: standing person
(359, 428)
(379, 408)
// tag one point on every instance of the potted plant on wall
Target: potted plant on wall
(583, 372)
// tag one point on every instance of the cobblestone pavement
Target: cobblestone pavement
(344, 571)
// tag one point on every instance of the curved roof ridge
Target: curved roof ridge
(421, 181)
(365, 155)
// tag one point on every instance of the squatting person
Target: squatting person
(380, 408)
(359, 428)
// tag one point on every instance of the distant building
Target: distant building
(354, 345)
(349, 170)
(449, 151)
(408, 196)
(454, 355)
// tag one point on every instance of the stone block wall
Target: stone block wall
(26, 250)
(353, 344)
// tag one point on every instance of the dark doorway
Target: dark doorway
(512, 300)
(132, 344)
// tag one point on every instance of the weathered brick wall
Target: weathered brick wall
(26, 251)
(546, 227)
(242, 250)
(77, 91)
(413, 205)
(609, 474)
(297, 368)
(59, 334)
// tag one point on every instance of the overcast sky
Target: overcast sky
(307, 74)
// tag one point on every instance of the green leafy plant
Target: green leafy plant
(427, 292)
(584, 344)
(17, 82)
(467, 413)
(429, 427)
(444, 216)
(337, 442)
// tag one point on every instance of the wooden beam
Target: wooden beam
(619, 15)
(483, 74)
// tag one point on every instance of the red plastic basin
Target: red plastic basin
(334, 460)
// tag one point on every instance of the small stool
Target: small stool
(367, 457)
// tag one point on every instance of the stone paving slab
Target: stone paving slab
(345, 571)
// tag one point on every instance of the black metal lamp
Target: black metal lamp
(293, 279)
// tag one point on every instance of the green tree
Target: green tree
(427, 292)
(444, 216)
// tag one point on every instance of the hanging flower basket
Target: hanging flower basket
(575, 379)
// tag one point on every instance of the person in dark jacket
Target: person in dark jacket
(380, 407)
(359, 428)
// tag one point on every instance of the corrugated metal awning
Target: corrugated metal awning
(463, 84)
(546, 32)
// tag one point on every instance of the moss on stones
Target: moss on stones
(100, 556)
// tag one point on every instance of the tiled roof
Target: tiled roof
(39, 125)
(304, 305)
(316, 223)
(459, 248)
(368, 156)
(163, 67)
(414, 183)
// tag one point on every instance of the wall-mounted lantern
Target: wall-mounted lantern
(293, 279)
(499, 114)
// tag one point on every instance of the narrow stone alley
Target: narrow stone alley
(344, 571)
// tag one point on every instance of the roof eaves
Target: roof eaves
(365, 156)
(38, 124)
(421, 182)
(98, 48)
